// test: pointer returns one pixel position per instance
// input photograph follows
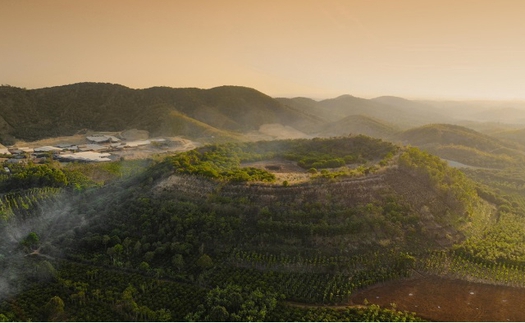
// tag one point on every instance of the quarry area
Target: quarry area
(94, 147)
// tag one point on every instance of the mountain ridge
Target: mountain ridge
(63, 110)
(218, 114)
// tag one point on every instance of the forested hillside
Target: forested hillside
(517, 136)
(464, 145)
(176, 238)
(221, 114)
(64, 110)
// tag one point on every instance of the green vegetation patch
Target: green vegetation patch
(223, 161)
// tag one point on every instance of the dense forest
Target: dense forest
(220, 233)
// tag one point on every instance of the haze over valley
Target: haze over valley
(262, 161)
(294, 189)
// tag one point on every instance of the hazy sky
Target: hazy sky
(410, 48)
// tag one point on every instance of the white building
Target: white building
(86, 156)
(92, 147)
(45, 149)
(131, 144)
(100, 139)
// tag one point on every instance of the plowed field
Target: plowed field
(441, 299)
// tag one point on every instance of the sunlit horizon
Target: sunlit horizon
(431, 50)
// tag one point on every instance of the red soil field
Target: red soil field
(441, 299)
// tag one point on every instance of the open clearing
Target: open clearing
(284, 170)
(171, 145)
(175, 144)
(441, 299)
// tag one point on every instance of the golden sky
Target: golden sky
(410, 48)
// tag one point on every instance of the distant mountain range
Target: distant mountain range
(228, 113)
(400, 112)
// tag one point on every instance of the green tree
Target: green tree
(105, 240)
(204, 262)
(54, 309)
(148, 256)
(235, 304)
(144, 266)
(163, 315)
(31, 240)
(178, 261)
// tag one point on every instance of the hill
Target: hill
(508, 115)
(504, 112)
(489, 128)
(464, 145)
(308, 106)
(514, 135)
(399, 112)
(445, 134)
(417, 110)
(221, 219)
(219, 114)
(346, 105)
(64, 110)
(358, 124)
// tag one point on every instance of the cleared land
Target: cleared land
(442, 299)
(172, 144)
(175, 144)
(284, 170)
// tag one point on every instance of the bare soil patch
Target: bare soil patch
(284, 170)
(441, 299)
(175, 144)
(66, 140)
